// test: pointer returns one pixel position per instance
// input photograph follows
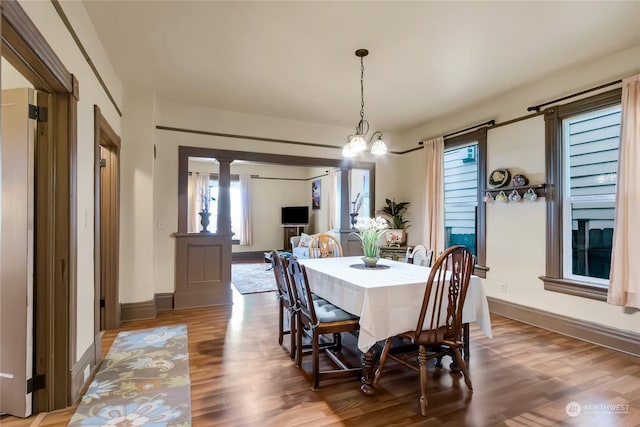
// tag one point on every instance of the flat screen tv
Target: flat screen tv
(294, 215)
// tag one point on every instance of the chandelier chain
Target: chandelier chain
(361, 88)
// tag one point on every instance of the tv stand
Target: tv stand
(289, 232)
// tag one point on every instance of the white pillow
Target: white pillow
(304, 240)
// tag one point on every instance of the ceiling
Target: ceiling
(296, 60)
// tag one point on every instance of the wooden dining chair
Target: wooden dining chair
(286, 301)
(439, 328)
(324, 245)
(420, 255)
(315, 320)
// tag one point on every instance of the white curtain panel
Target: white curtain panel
(193, 219)
(245, 214)
(433, 229)
(624, 281)
(332, 200)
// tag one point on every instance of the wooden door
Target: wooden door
(16, 252)
(107, 228)
(109, 315)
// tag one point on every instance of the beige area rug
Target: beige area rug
(251, 278)
(144, 380)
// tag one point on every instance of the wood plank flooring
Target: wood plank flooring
(524, 376)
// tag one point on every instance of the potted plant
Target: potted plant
(394, 212)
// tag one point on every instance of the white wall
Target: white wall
(52, 28)
(516, 233)
(137, 197)
(178, 115)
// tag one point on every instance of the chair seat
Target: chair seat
(329, 313)
(430, 336)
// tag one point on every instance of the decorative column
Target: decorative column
(224, 197)
(350, 244)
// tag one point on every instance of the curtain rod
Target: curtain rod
(487, 123)
(287, 179)
(537, 107)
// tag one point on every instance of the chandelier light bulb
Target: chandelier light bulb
(358, 143)
(379, 147)
(347, 151)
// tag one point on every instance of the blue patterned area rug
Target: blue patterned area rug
(144, 380)
(251, 278)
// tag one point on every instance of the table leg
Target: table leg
(368, 372)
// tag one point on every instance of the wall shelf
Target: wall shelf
(540, 190)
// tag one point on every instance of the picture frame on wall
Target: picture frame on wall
(315, 194)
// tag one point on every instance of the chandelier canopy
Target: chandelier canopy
(357, 142)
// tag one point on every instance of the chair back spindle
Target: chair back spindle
(445, 293)
(303, 293)
(278, 264)
(324, 245)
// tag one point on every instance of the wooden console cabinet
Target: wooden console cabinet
(203, 270)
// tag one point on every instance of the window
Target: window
(590, 143)
(461, 196)
(464, 176)
(582, 158)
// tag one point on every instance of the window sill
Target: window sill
(480, 271)
(573, 287)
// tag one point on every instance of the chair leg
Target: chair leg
(294, 333)
(463, 367)
(299, 333)
(383, 359)
(316, 361)
(422, 358)
(280, 322)
(337, 340)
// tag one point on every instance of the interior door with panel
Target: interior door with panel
(17, 252)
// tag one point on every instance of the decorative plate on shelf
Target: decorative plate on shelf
(519, 180)
(499, 178)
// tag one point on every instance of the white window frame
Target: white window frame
(479, 137)
(568, 200)
(466, 204)
(554, 278)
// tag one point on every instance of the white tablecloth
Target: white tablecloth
(388, 301)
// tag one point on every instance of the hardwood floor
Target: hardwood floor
(524, 376)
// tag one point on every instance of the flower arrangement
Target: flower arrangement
(357, 203)
(370, 230)
(205, 200)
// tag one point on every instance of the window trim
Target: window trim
(478, 136)
(553, 116)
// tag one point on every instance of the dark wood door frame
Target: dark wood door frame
(55, 303)
(105, 136)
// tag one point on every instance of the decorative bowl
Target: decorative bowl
(499, 178)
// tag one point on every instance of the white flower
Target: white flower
(370, 230)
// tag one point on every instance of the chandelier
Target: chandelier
(357, 142)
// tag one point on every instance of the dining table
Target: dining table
(387, 299)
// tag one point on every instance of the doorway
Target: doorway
(55, 221)
(107, 225)
(17, 253)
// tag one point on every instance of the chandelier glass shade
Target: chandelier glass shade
(357, 142)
